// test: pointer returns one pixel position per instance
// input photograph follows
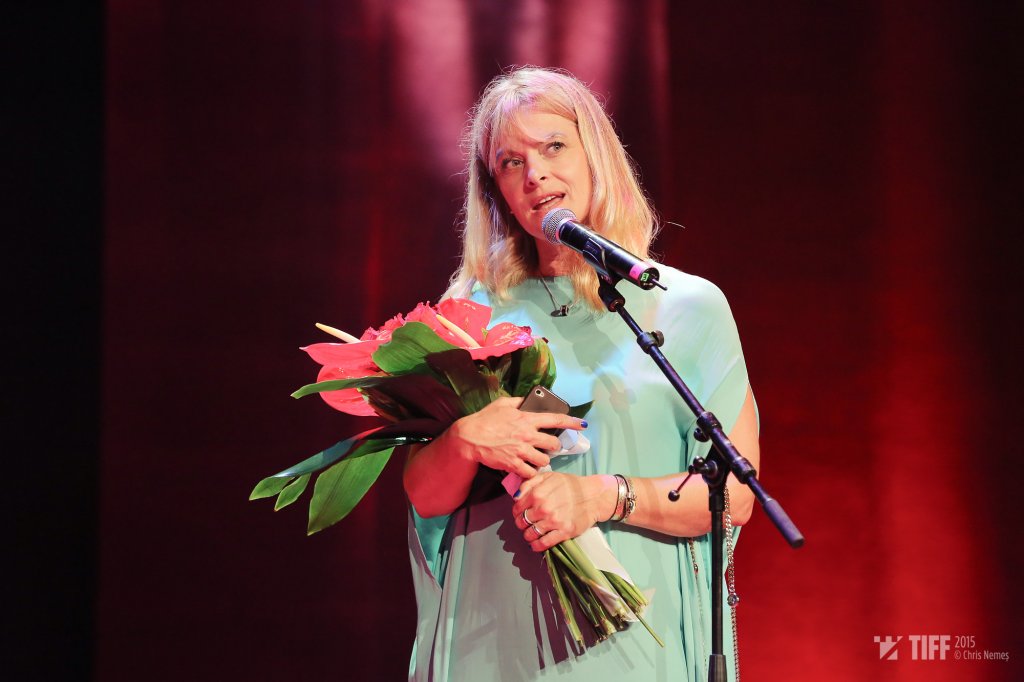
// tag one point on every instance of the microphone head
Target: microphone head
(554, 220)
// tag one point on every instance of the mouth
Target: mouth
(548, 201)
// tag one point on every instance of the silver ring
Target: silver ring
(537, 530)
(526, 519)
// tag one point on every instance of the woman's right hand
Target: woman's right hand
(438, 475)
(501, 436)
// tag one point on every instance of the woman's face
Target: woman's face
(540, 165)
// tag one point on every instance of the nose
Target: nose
(535, 173)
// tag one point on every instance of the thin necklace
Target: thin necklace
(559, 310)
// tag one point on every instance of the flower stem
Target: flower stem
(596, 577)
(636, 597)
(591, 606)
(563, 600)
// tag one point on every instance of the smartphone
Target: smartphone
(540, 399)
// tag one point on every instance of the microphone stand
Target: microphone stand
(721, 459)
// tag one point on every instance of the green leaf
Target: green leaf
(419, 395)
(339, 384)
(535, 366)
(272, 485)
(320, 460)
(269, 487)
(339, 489)
(291, 492)
(476, 387)
(501, 366)
(408, 349)
(414, 430)
(580, 411)
(381, 381)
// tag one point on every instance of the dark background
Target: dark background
(191, 185)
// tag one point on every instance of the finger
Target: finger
(530, 533)
(531, 519)
(552, 420)
(506, 402)
(526, 498)
(522, 504)
(546, 541)
(537, 458)
(523, 470)
(545, 441)
(533, 532)
(528, 518)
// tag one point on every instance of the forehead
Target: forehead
(526, 129)
(530, 127)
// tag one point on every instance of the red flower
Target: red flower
(348, 400)
(355, 360)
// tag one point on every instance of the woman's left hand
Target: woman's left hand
(561, 506)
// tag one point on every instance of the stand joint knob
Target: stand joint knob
(706, 423)
(649, 340)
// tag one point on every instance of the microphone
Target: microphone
(610, 260)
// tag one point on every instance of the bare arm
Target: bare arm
(438, 476)
(564, 506)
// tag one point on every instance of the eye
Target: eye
(555, 147)
(511, 163)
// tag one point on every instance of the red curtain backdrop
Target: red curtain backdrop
(844, 171)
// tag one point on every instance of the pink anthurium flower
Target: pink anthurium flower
(355, 360)
(347, 400)
(501, 339)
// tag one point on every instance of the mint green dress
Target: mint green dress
(486, 609)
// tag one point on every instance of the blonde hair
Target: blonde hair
(496, 251)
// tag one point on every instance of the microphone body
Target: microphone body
(609, 259)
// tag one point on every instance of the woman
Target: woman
(539, 140)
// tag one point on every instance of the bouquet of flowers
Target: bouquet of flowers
(421, 372)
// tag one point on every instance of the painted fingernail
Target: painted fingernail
(583, 423)
(518, 493)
